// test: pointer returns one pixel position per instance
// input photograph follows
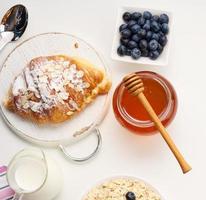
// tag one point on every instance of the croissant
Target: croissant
(52, 89)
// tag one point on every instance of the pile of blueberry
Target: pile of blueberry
(143, 34)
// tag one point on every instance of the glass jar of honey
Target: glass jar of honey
(131, 114)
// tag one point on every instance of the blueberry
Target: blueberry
(136, 53)
(163, 40)
(135, 28)
(136, 38)
(141, 21)
(165, 28)
(147, 21)
(154, 55)
(145, 53)
(141, 33)
(146, 27)
(122, 27)
(155, 36)
(130, 196)
(153, 45)
(160, 48)
(155, 18)
(160, 33)
(132, 44)
(149, 35)
(124, 41)
(121, 51)
(126, 33)
(131, 23)
(164, 19)
(147, 15)
(155, 26)
(126, 16)
(128, 52)
(136, 15)
(143, 44)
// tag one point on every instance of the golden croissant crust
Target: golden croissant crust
(52, 89)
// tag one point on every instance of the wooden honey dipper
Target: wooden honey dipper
(135, 86)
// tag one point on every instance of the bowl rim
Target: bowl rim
(141, 61)
(98, 183)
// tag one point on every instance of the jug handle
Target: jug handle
(17, 196)
(83, 159)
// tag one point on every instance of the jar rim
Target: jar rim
(146, 123)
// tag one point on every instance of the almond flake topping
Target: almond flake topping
(48, 81)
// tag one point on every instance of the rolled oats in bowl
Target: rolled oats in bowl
(124, 188)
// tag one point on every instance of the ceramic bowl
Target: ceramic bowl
(161, 60)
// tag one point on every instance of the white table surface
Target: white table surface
(122, 152)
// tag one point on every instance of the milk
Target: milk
(52, 185)
(34, 175)
(30, 174)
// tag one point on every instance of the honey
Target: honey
(130, 112)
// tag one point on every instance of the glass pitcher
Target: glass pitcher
(33, 175)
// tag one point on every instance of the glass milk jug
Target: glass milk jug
(33, 175)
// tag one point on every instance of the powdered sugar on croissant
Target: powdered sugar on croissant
(53, 88)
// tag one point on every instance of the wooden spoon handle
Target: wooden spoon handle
(182, 162)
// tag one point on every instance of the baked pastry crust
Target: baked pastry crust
(52, 89)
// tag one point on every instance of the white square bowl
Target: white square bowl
(161, 60)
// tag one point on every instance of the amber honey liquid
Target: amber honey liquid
(130, 112)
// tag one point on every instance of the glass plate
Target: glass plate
(44, 45)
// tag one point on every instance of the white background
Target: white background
(124, 153)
